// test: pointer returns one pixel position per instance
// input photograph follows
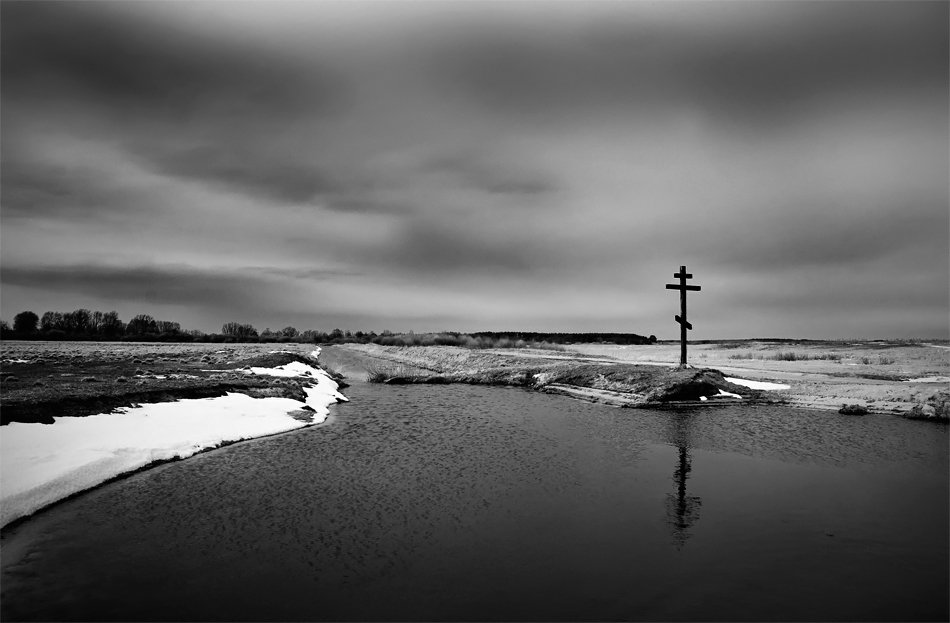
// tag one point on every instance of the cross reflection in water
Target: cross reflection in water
(682, 510)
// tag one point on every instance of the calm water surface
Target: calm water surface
(463, 502)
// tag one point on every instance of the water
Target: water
(463, 502)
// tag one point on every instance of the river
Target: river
(479, 503)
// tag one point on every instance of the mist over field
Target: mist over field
(480, 166)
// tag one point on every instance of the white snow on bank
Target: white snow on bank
(40, 464)
(294, 368)
(722, 394)
(757, 384)
(930, 379)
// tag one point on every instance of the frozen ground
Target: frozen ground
(41, 464)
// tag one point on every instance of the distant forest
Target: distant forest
(569, 338)
(86, 325)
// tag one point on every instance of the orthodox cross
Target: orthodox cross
(682, 287)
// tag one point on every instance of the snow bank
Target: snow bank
(40, 464)
(757, 384)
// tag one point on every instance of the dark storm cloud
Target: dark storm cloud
(122, 61)
(738, 60)
(166, 284)
(37, 189)
(30, 186)
(192, 106)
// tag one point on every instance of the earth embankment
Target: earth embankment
(904, 380)
(592, 379)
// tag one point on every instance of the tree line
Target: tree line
(83, 324)
(568, 338)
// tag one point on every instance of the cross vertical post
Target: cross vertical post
(683, 321)
(682, 275)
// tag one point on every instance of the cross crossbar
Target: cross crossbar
(682, 275)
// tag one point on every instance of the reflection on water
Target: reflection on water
(682, 510)
(462, 503)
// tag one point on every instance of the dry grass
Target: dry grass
(789, 356)
(380, 372)
(869, 359)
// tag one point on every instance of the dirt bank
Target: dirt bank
(647, 376)
(600, 380)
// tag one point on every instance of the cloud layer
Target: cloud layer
(481, 166)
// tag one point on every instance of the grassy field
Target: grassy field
(885, 360)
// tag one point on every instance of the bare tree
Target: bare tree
(51, 320)
(166, 326)
(95, 326)
(25, 322)
(77, 321)
(238, 330)
(141, 324)
(110, 325)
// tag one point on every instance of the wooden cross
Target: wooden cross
(682, 287)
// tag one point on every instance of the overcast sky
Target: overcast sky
(471, 166)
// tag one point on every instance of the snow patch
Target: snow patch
(930, 379)
(294, 368)
(757, 384)
(729, 394)
(41, 464)
(722, 394)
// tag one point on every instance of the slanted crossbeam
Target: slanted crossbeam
(682, 275)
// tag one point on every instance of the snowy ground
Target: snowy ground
(40, 464)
